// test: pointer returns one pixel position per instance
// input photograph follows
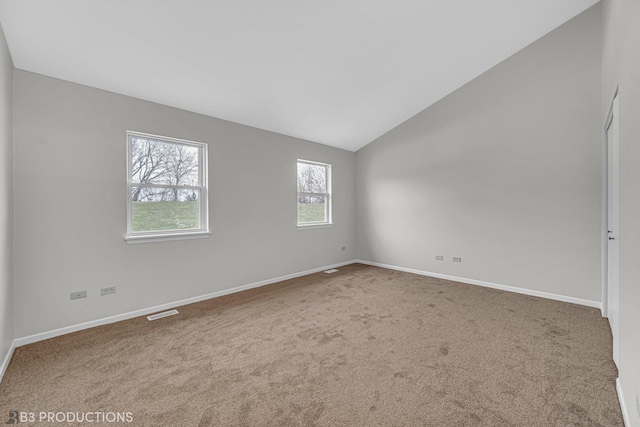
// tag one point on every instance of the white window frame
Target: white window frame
(163, 235)
(328, 199)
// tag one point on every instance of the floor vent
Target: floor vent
(333, 270)
(163, 314)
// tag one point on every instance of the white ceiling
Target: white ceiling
(337, 72)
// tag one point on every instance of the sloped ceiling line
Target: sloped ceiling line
(340, 73)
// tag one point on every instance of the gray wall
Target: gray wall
(505, 173)
(6, 198)
(621, 66)
(70, 193)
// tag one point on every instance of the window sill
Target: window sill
(320, 225)
(149, 238)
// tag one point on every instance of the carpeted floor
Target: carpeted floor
(362, 347)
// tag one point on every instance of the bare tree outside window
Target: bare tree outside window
(165, 184)
(314, 204)
(155, 162)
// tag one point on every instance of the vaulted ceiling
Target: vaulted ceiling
(337, 72)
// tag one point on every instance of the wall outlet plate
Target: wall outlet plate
(108, 291)
(439, 257)
(78, 294)
(457, 259)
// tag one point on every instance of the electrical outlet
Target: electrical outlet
(439, 257)
(78, 294)
(108, 291)
(457, 259)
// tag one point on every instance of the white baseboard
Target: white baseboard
(507, 288)
(145, 311)
(7, 359)
(623, 406)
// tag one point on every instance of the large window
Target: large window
(314, 193)
(167, 188)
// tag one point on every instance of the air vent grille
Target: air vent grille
(163, 314)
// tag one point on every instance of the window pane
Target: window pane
(157, 162)
(312, 178)
(311, 209)
(156, 209)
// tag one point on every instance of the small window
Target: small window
(314, 193)
(166, 188)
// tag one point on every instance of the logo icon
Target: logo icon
(10, 417)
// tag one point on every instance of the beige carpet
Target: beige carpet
(362, 347)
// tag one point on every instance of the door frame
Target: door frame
(605, 209)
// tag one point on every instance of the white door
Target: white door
(613, 266)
